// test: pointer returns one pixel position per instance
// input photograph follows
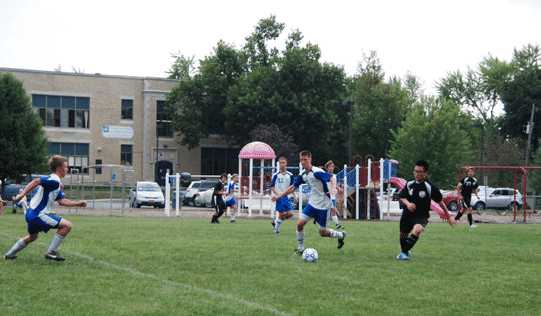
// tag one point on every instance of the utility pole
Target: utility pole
(529, 131)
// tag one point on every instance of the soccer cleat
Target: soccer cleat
(340, 227)
(276, 232)
(473, 226)
(298, 251)
(233, 221)
(6, 257)
(54, 256)
(341, 240)
(315, 221)
(402, 256)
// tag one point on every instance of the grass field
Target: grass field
(174, 266)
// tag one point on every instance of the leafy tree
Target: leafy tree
(22, 140)
(182, 67)
(521, 92)
(283, 145)
(431, 131)
(380, 108)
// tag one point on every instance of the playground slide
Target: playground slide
(400, 183)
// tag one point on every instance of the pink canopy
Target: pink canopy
(257, 150)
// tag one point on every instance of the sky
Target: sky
(428, 38)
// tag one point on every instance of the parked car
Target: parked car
(12, 187)
(146, 193)
(207, 185)
(191, 191)
(451, 201)
(496, 198)
(204, 198)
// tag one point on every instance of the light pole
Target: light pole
(482, 127)
(350, 104)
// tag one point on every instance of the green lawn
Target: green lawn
(173, 266)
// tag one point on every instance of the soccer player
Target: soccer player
(329, 167)
(416, 197)
(2, 202)
(37, 215)
(281, 181)
(217, 196)
(229, 199)
(320, 202)
(465, 188)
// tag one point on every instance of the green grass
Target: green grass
(174, 266)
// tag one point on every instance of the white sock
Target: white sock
(335, 234)
(233, 217)
(300, 239)
(335, 220)
(277, 224)
(19, 245)
(57, 240)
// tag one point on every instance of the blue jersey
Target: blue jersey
(49, 191)
(317, 179)
(232, 186)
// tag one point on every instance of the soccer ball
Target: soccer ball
(309, 255)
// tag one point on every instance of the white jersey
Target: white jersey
(281, 182)
(49, 191)
(317, 179)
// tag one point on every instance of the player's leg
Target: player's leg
(406, 227)
(64, 227)
(461, 211)
(470, 217)
(334, 216)
(20, 245)
(419, 224)
(304, 217)
(324, 231)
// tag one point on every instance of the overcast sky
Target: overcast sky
(135, 38)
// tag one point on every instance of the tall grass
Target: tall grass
(173, 266)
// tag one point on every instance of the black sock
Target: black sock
(213, 219)
(410, 243)
(470, 219)
(403, 242)
(458, 216)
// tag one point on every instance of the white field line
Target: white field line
(211, 293)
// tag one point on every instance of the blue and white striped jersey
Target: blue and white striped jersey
(49, 191)
(317, 179)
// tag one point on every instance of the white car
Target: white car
(146, 193)
(204, 198)
(496, 198)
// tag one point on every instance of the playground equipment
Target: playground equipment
(261, 152)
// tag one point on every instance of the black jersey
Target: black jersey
(217, 188)
(421, 195)
(468, 186)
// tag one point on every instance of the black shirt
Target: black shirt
(468, 186)
(421, 195)
(217, 188)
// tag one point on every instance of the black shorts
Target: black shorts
(466, 201)
(409, 219)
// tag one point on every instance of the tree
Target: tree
(522, 92)
(22, 140)
(379, 108)
(182, 67)
(432, 131)
(283, 145)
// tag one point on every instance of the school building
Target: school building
(117, 120)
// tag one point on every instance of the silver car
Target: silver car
(146, 193)
(496, 198)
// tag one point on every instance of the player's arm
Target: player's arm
(410, 206)
(450, 219)
(66, 202)
(29, 187)
(273, 190)
(459, 188)
(333, 185)
(286, 192)
(476, 193)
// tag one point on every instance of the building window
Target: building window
(127, 110)
(76, 153)
(126, 155)
(98, 169)
(219, 160)
(62, 111)
(163, 121)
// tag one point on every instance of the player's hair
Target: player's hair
(223, 175)
(328, 164)
(422, 163)
(305, 153)
(234, 175)
(471, 168)
(282, 158)
(56, 161)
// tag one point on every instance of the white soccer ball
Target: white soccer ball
(309, 255)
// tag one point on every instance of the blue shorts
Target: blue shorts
(43, 222)
(283, 205)
(230, 202)
(320, 215)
